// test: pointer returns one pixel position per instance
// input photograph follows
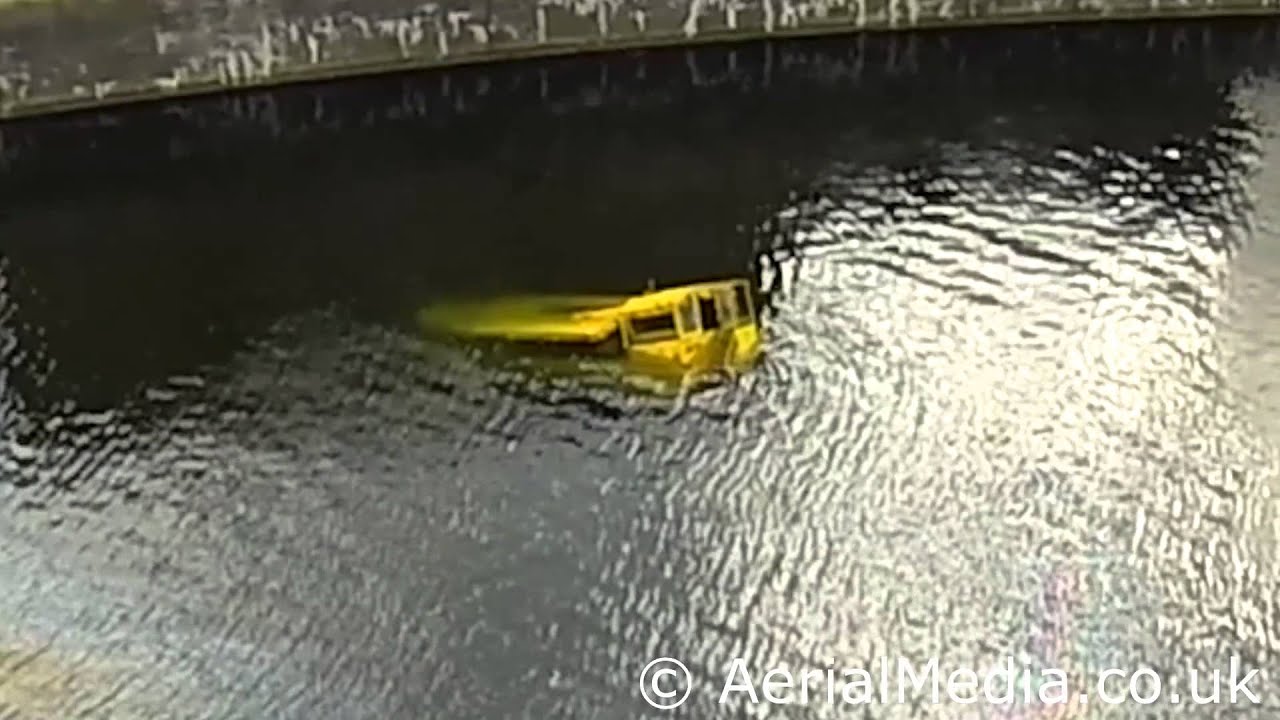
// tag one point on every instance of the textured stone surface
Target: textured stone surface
(54, 54)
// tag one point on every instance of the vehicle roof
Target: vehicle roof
(579, 329)
(660, 299)
(553, 319)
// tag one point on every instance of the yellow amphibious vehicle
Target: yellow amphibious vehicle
(679, 331)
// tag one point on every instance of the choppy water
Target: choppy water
(1021, 394)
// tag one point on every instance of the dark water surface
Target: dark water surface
(1022, 391)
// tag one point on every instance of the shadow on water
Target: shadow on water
(144, 242)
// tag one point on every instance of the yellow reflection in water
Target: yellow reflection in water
(37, 684)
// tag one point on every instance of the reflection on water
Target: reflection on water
(1018, 400)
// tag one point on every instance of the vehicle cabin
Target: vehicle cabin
(684, 312)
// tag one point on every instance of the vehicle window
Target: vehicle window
(654, 327)
(710, 317)
(742, 302)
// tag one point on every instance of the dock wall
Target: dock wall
(60, 55)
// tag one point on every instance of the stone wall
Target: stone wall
(85, 52)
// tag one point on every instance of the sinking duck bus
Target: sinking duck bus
(707, 327)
